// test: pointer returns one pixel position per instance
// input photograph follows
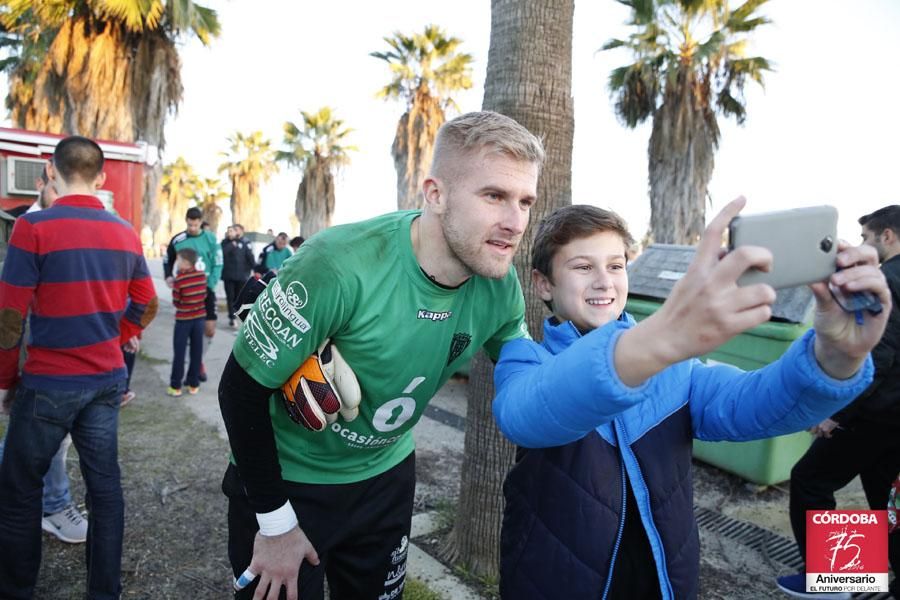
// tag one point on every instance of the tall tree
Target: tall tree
(318, 148)
(100, 68)
(690, 63)
(529, 78)
(180, 187)
(249, 161)
(425, 68)
(211, 192)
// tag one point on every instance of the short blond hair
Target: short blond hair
(488, 131)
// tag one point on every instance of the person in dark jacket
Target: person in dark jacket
(237, 256)
(864, 438)
(599, 503)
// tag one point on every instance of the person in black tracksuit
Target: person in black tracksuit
(238, 258)
(864, 438)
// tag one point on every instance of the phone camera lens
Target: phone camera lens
(826, 244)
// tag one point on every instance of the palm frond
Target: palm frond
(135, 15)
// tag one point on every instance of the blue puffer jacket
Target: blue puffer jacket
(581, 430)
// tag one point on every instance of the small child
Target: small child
(189, 299)
(599, 503)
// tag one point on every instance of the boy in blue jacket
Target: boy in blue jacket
(599, 503)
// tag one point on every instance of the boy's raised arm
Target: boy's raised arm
(707, 308)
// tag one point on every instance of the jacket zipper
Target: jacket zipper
(612, 563)
(666, 593)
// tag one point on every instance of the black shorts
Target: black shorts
(359, 530)
(210, 305)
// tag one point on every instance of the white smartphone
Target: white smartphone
(803, 242)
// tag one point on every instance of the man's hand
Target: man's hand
(824, 428)
(277, 560)
(842, 342)
(170, 281)
(705, 309)
(132, 345)
(6, 400)
(323, 386)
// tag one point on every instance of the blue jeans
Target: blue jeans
(190, 331)
(56, 481)
(38, 422)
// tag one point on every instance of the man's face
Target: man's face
(193, 226)
(590, 283)
(870, 238)
(280, 242)
(229, 233)
(238, 232)
(486, 211)
(47, 193)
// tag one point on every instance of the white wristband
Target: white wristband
(277, 522)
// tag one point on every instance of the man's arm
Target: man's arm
(17, 284)
(218, 262)
(143, 303)
(169, 261)
(245, 409)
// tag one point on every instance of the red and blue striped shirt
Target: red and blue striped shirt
(189, 295)
(82, 273)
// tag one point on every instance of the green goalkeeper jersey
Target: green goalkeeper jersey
(402, 334)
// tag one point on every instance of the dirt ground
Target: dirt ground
(175, 533)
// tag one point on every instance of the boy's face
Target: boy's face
(183, 264)
(590, 283)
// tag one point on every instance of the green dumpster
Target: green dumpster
(765, 461)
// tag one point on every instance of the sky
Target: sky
(823, 131)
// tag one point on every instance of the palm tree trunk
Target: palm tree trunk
(243, 208)
(315, 199)
(681, 157)
(414, 146)
(529, 78)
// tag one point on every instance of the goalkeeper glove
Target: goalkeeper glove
(322, 387)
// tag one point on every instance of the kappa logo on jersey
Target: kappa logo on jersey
(458, 345)
(429, 315)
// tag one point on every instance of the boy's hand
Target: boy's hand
(705, 309)
(844, 339)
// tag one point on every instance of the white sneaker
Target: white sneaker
(68, 525)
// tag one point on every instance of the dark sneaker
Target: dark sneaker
(68, 525)
(795, 586)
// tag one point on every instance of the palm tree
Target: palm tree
(210, 193)
(318, 149)
(250, 160)
(426, 68)
(531, 49)
(180, 187)
(690, 64)
(100, 68)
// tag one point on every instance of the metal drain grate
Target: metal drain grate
(774, 546)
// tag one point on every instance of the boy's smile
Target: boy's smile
(590, 284)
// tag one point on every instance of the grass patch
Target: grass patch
(414, 589)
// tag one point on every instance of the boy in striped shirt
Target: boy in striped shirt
(189, 299)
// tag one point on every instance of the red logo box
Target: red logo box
(846, 551)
